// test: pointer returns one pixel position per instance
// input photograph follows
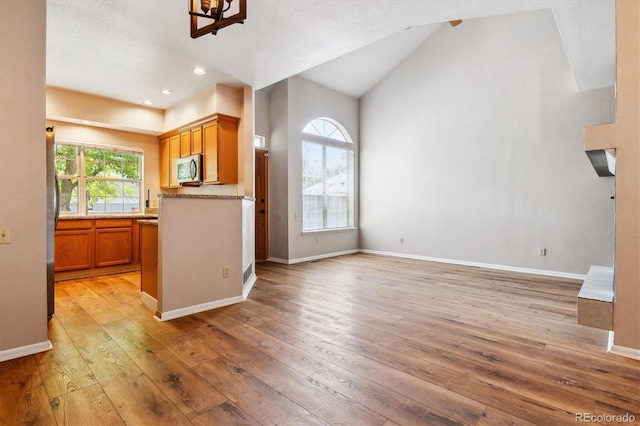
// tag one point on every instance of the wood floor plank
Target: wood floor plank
(140, 402)
(393, 405)
(62, 368)
(256, 398)
(495, 417)
(225, 414)
(191, 394)
(441, 399)
(87, 406)
(23, 397)
(322, 401)
(107, 360)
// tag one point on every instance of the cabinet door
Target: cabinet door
(73, 249)
(174, 154)
(210, 146)
(149, 260)
(113, 246)
(165, 163)
(196, 140)
(185, 144)
(227, 150)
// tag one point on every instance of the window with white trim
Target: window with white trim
(328, 176)
(98, 179)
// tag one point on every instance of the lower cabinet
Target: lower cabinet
(96, 243)
(73, 247)
(149, 260)
(114, 242)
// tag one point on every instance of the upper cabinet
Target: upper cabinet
(220, 143)
(196, 140)
(185, 144)
(216, 139)
(170, 150)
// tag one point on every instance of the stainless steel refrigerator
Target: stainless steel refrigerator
(53, 212)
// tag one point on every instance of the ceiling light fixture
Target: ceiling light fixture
(214, 10)
(199, 71)
(147, 102)
(166, 92)
(455, 23)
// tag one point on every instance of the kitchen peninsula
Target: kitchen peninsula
(204, 260)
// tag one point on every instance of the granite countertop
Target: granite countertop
(205, 196)
(108, 216)
(148, 222)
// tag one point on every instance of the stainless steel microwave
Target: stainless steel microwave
(189, 169)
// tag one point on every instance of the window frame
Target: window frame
(347, 145)
(82, 206)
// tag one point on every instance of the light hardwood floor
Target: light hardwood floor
(359, 339)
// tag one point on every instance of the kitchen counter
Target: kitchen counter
(108, 216)
(206, 196)
(148, 222)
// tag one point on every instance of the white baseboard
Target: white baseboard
(626, 352)
(481, 265)
(25, 350)
(311, 258)
(622, 350)
(182, 312)
(148, 302)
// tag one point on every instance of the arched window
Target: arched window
(327, 176)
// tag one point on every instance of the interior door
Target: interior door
(262, 204)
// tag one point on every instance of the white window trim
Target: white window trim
(82, 189)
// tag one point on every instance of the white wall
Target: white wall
(472, 149)
(23, 279)
(293, 104)
(75, 107)
(262, 115)
(308, 100)
(278, 170)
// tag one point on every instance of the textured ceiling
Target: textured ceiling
(131, 49)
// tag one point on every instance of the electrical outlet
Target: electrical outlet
(154, 203)
(401, 240)
(317, 241)
(542, 252)
(5, 235)
(225, 272)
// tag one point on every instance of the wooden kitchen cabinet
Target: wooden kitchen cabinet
(170, 149)
(94, 244)
(196, 140)
(73, 245)
(185, 144)
(149, 260)
(165, 163)
(217, 140)
(174, 154)
(220, 145)
(114, 242)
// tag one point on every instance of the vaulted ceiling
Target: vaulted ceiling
(130, 50)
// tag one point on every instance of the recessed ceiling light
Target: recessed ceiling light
(199, 71)
(148, 102)
(166, 92)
